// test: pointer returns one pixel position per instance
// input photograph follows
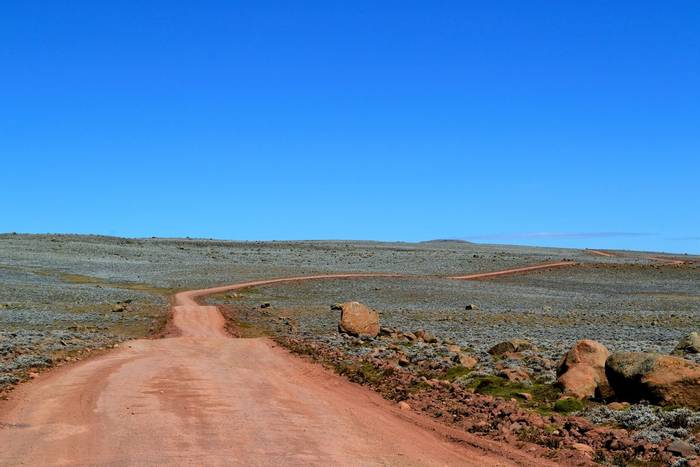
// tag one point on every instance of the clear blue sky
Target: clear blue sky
(538, 122)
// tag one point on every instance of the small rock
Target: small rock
(453, 348)
(681, 448)
(410, 336)
(515, 375)
(265, 305)
(404, 406)
(466, 360)
(512, 346)
(583, 448)
(471, 306)
(617, 406)
(119, 308)
(426, 336)
(525, 395)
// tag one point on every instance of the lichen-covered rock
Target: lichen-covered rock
(512, 346)
(689, 344)
(660, 379)
(581, 372)
(358, 320)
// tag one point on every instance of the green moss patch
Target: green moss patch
(568, 405)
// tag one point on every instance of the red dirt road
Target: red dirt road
(665, 260)
(506, 272)
(204, 398)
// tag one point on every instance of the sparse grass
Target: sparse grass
(543, 395)
(457, 372)
(361, 372)
(568, 405)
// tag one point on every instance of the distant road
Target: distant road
(662, 259)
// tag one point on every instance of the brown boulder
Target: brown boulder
(358, 320)
(660, 379)
(689, 344)
(512, 346)
(581, 372)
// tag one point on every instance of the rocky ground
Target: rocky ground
(61, 296)
(628, 308)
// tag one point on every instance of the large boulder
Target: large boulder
(358, 320)
(512, 346)
(689, 344)
(660, 379)
(581, 372)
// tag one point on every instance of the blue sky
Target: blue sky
(546, 123)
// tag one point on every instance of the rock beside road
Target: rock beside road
(358, 320)
(659, 379)
(581, 372)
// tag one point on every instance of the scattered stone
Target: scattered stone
(618, 406)
(689, 344)
(583, 448)
(659, 379)
(426, 336)
(512, 346)
(514, 375)
(681, 448)
(581, 372)
(404, 406)
(119, 308)
(358, 320)
(336, 307)
(471, 306)
(525, 395)
(410, 336)
(265, 305)
(466, 360)
(453, 348)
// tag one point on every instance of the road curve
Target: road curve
(506, 272)
(204, 398)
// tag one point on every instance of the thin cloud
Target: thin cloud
(684, 239)
(564, 235)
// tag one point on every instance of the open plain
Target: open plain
(70, 300)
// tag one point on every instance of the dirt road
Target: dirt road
(664, 260)
(204, 398)
(506, 272)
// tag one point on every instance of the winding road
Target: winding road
(202, 397)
